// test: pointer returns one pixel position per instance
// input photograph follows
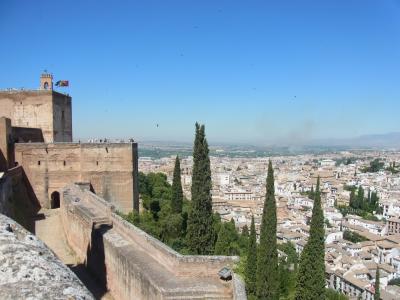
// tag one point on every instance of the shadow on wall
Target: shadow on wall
(95, 263)
(22, 204)
(3, 162)
(29, 201)
(27, 135)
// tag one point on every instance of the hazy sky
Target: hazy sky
(254, 71)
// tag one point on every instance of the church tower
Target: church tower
(46, 81)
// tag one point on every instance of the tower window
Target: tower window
(65, 163)
(46, 85)
(38, 162)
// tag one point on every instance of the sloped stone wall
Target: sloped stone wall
(29, 270)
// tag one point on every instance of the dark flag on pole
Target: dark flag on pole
(62, 83)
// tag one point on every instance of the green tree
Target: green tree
(245, 231)
(267, 268)
(227, 242)
(158, 186)
(331, 294)
(200, 230)
(353, 199)
(310, 283)
(251, 265)
(284, 277)
(287, 269)
(377, 294)
(374, 201)
(353, 236)
(244, 240)
(177, 194)
(170, 224)
(360, 198)
(144, 188)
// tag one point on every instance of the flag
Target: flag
(62, 83)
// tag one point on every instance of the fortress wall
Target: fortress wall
(25, 134)
(111, 169)
(115, 248)
(33, 109)
(78, 230)
(5, 195)
(16, 201)
(62, 117)
(125, 279)
(181, 265)
(5, 132)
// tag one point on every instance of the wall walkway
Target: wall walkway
(134, 265)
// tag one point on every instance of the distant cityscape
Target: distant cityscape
(358, 241)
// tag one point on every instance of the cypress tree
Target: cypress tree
(360, 197)
(177, 194)
(245, 231)
(251, 265)
(222, 244)
(353, 200)
(227, 241)
(267, 268)
(377, 294)
(200, 229)
(374, 201)
(310, 283)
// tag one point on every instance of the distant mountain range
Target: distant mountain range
(370, 141)
(388, 140)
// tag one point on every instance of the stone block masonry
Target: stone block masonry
(110, 168)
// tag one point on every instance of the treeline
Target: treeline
(353, 236)
(369, 203)
(361, 205)
(191, 227)
(164, 214)
(374, 166)
(393, 168)
(345, 160)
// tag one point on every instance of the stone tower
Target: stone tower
(46, 81)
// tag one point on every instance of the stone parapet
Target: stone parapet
(134, 264)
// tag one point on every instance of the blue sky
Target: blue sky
(252, 71)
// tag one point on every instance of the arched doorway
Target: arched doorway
(55, 200)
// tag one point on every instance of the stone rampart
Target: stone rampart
(131, 263)
(110, 168)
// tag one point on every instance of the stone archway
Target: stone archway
(55, 200)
